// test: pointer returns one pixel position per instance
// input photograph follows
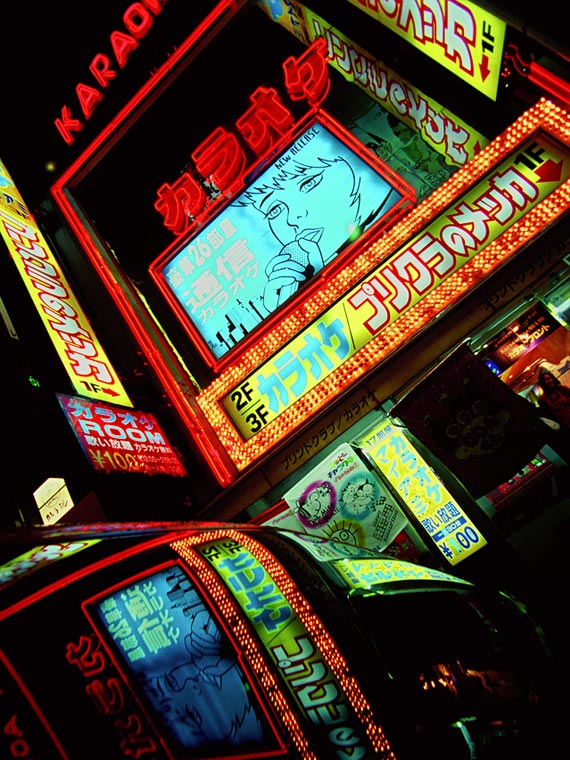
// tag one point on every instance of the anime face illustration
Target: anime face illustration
(319, 204)
(317, 504)
(313, 211)
(204, 699)
(318, 200)
(308, 205)
(358, 498)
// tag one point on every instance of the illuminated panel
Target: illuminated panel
(38, 557)
(81, 354)
(464, 38)
(255, 255)
(117, 441)
(308, 661)
(368, 573)
(442, 130)
(179, 653)
(440, 515)
(471, 225)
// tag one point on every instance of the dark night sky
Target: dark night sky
(47, 47)
(46, 51)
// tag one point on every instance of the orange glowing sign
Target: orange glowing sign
(306, 658)
(481, 216)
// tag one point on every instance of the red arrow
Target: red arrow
(550, 171)
(109, 391)
(484, 69)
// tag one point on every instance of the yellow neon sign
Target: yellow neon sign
(73, 337)
(452, 240)
(465, 39)
(441, 130)
(431, 504)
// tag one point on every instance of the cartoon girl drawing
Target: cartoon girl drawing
(314, 205)
(204, 699)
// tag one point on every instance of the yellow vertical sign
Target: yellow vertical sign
(89, 369)
(432, 505)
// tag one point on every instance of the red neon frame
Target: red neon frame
(201, 410)
(391, 217)
(188, 411)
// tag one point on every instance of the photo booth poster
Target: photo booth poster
(342, 499)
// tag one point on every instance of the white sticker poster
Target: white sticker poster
(343, 500)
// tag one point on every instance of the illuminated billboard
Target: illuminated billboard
(296, 217)
(188, 669)
(120, 440)
(463, 37)
(83, 357)
(241, 380)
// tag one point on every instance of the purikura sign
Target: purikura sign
(455, 240)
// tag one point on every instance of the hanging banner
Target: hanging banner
(343, 500)
(474, 423)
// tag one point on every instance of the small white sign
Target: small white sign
(53, 500)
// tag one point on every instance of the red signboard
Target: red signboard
(120, 440)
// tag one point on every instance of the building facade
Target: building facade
(308, 273)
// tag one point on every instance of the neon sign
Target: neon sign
(452, 240)
(231, 439)
(138, 19)
(307, 660)
(221, 160)
(441, 516)
(308, 206)
(464, 38)
(83, 357)
(118, 440)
